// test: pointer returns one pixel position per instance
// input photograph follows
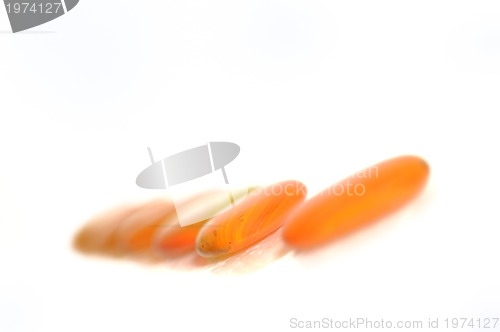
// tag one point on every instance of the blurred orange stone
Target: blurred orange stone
(356, 201)
(176, 239)
(99, 234)
(256, 217)
(136, 232)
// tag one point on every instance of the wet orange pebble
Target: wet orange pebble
(256, 217)
(99, 235)
(356, 201)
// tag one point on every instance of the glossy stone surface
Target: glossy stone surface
(99, 235)
(356, 202)
(256, 217)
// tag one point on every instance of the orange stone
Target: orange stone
(176, 239)
(356, 202)
(136, 232)
(257, 216)
(99, 234)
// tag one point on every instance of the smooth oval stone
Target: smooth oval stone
(260, 214)
(356, 202)
(99, 234)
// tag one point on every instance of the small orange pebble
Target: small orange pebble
(256, 217)
(99, 235)
(356, 201)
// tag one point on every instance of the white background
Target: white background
(310, 90)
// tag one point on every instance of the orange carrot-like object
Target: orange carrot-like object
(356, 202)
